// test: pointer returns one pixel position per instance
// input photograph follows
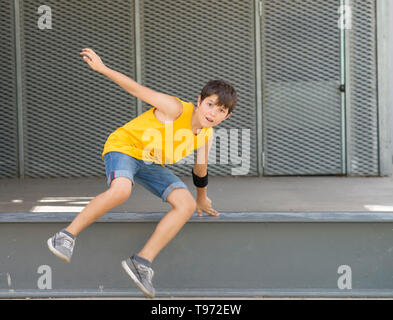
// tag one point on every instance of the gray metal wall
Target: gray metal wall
(301, 65)
(69, 110)
(362, 106)
(187, 43)
(390, 70)
(8, 106)
(385, 80)
(389, 58)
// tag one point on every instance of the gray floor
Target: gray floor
(229, 194)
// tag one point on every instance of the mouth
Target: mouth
(209, 120)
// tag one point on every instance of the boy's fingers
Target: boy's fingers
(90, 51)
(213, 212)
(86, 57)
(85, 54)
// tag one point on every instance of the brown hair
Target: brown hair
(226, 94)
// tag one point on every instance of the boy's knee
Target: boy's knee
(190, 206)
(182, 199)
(120, 189)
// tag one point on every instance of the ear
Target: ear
(199, 101)
(228, 115)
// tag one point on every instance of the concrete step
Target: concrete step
(239, 254)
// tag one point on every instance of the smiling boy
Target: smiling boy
(130, 156)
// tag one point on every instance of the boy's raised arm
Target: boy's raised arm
(165, 103)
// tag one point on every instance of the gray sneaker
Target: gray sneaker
(62, 246)
(141, 274)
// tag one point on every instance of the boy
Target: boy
(130, 157)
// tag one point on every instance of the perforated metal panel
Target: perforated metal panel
(8, 107)
(362, 90)
(301, 79)
(187, 43)
(69, 109)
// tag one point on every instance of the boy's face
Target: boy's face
(209, 113)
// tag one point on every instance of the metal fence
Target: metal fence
(56, 121)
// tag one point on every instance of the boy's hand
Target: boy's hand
(205, 204)
(93, 60)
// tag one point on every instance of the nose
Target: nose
(213, 112)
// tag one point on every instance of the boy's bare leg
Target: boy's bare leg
(184, 206)
(118, 193)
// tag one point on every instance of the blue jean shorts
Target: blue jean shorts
(152, 176)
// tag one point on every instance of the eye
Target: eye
(222, 110)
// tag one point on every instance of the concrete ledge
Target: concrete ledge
(228, 194)
(270, 254)
(227, 217)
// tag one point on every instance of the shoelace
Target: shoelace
(148, 271)
(67, 243)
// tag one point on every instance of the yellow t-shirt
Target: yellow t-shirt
(146, 138)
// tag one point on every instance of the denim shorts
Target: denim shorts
(152, 176)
